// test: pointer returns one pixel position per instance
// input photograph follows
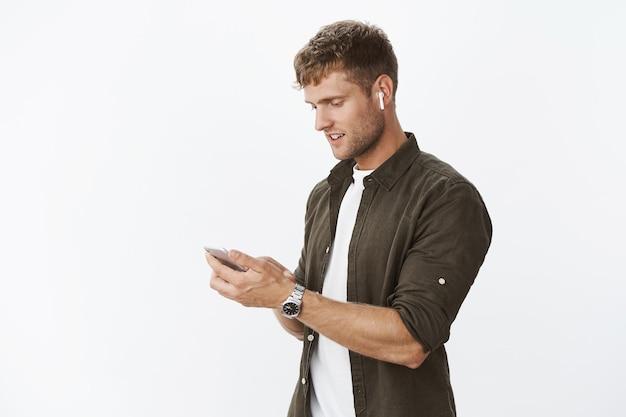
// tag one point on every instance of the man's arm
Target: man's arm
(373, 331)
(377, 332)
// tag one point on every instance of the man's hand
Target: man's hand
(266, 283)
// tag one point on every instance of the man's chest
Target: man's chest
(379, 238)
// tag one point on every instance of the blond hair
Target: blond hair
(362, 50)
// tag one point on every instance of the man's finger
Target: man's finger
(246, 260)
(286, 271)
(227, 274)
(273, 262)
(225, 288)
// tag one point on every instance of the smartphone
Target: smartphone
(222, 256)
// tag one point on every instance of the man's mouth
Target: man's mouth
(335, 136)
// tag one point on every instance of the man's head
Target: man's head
(342, 69)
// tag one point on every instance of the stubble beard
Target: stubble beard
(365, 138)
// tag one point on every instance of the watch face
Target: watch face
(291, 308)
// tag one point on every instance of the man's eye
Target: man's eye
(337, 104)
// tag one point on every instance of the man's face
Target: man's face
(341, 107)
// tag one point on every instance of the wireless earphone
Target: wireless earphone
(380, 99)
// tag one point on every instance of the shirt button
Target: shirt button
(303, 381)
(327, 248)
(442, 280)
(310, 337)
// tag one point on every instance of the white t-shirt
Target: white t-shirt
(331, 390)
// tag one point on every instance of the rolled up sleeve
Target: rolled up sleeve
(452, 236)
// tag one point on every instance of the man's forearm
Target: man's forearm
(292, 326)
(373, 331)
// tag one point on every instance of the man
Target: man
(393, 240)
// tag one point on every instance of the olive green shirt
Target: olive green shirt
(421, 234)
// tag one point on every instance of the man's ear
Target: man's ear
(383, 83)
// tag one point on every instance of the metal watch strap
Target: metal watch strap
(298, 292)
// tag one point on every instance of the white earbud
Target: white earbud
(380, 99)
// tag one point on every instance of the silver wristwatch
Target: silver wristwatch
(291, 306)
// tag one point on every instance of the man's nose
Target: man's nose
(322, 121)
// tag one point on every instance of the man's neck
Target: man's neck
(389, 142)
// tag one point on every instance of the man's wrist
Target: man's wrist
(292, 304)
(286, 289)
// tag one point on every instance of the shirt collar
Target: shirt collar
(388, 172)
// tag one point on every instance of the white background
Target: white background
(134, 133)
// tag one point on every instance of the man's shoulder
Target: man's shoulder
(428, 166)
(320, 185)
(317, 192)
(433, 178)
